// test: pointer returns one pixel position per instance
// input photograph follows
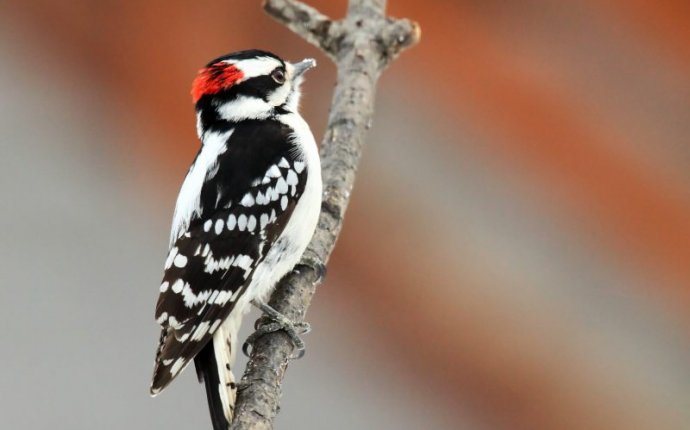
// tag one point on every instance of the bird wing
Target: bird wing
(244, 207)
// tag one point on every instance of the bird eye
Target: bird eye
(278, 75)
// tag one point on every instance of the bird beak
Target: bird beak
(302, 67)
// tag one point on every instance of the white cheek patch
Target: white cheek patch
(280, 95)
(244, 107)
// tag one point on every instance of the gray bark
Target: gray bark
(361, 45)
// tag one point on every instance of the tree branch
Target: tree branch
(314, 27)
(361, 45)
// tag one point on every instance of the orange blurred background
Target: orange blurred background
(516, 254)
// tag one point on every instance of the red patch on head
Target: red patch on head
(215, 78)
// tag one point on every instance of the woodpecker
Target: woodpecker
(245, 213)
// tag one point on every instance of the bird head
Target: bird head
(247, 85)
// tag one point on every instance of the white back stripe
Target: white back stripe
(188, 203)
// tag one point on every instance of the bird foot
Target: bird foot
(277, 321)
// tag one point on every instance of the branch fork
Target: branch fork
(331, 36)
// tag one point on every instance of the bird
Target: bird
(245, 213)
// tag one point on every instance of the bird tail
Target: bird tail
(213, 367)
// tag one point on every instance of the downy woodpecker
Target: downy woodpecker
(246, 211)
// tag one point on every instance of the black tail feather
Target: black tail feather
(207, 371)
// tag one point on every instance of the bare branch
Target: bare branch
(361, 45)
(304, 20)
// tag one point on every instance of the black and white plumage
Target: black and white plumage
(245, 214)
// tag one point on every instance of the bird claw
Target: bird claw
(277, 322)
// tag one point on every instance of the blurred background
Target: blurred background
(516, 254)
